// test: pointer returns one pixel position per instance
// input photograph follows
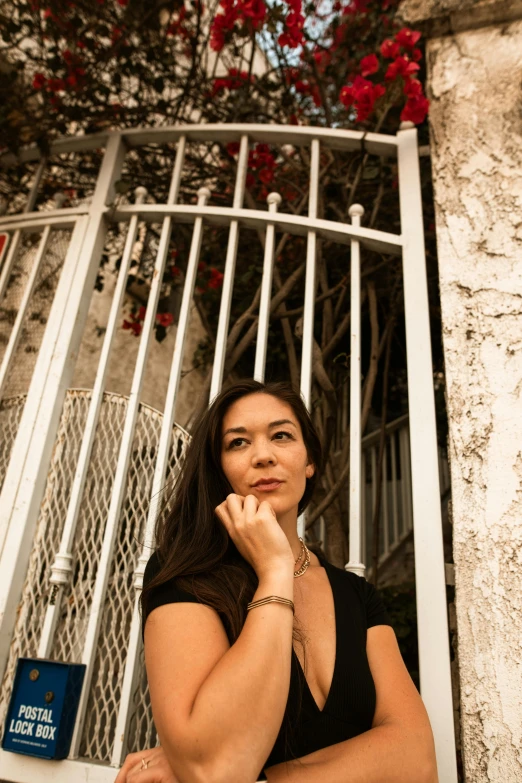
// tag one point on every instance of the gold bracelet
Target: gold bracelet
(269, 599)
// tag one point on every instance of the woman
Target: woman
(233, 701)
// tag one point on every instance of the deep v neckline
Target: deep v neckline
(324, 563)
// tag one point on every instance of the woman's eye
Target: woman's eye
(285, 434)
(236, 442)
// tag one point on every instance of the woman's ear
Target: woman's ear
(310, 470)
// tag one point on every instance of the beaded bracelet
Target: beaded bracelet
(268, 600)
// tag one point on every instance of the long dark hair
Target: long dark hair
(192, 545)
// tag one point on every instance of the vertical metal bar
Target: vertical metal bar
(364, 521)
(12, 252)
(62, 567)
(120, 478)
(27, 471)
(356, 521)
(384, 509)
(404, 466)
(16, 331)
(408, 478)
(309, 297)
(373, 456)
(134, 646)
(434, 653)
(273, 199)
(228, 280)
(395, 504)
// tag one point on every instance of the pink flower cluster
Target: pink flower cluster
(233, 81)
(293, 35)
(362, 93)
(234, 13)
(402, 50)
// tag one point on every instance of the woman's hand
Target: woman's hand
(258, 536)
(158, 769)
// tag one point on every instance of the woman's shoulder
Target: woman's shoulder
(168, 591)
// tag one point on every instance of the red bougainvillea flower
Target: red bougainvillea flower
(362, 95)
(165, 319)
(416, 109)
(402, 66)
(407, 38)
(292, 36)
(390, 49)
(216, 278)
(201, 266)
(232, 148)
(123, 2)
(39, 81)
(255, 10)
(232, 11)
(369, 65)
(175, 271)
(266, 176)
(233, 81)
(56, 85)
(412, 88)
(134, 326)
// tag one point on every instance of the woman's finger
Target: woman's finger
(224, 517)
(235, 507)
(130, 761)
(250, 507)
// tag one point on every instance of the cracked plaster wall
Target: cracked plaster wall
(475, 85)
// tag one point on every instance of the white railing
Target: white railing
(113, 705)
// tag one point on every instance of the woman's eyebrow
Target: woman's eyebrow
(272, 424)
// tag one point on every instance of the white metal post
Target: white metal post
(27, 471)
(134, 646)
(434, 653)
(309, 296)
(230, 267)
(356, 521)
(124, 456)
(62, 567)
(273, 199)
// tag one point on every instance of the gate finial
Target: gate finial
(356, 210)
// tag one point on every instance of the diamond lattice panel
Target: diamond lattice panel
(46, 540)
(72, 625)
(142, 732)
(109, 664)
(11, 409)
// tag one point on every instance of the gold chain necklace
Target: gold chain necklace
(306, 562)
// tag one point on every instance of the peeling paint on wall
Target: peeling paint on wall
(475, 87)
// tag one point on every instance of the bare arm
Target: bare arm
(218, 709)
(398, 748)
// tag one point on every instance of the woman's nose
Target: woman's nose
(263, 454)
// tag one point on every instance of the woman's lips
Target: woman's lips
(268, 487)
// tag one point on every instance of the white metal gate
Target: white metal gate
(70, 575)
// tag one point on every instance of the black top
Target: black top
(350, 705)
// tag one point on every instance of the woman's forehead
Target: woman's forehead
(258, 410)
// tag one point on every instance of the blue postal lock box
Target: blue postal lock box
(43, 707)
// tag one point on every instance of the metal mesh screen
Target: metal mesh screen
(11, 409)
(109, 665)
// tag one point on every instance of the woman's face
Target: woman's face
(263, 452)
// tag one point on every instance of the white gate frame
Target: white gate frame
(25, 479)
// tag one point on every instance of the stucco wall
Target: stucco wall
(474, 83)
